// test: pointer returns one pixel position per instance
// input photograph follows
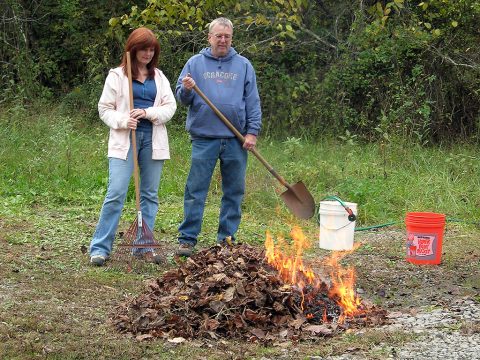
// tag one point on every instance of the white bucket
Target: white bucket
(336, 231)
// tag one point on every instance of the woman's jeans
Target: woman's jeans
(120, 172)
(233, 164)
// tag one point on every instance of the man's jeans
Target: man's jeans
(233, 164)
(120, 172)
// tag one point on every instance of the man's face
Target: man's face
(220, 39)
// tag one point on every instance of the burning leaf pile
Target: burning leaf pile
(232, 292)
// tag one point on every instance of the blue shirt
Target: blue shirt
(144, 97)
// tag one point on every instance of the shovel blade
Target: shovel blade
(299, 200)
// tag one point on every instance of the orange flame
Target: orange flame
(343, 284)
(288, 260)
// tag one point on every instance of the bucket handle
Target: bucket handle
(351, 216)
(336, 229)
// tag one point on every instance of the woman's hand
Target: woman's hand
(138, 113)
(132, 123)
(135, 116)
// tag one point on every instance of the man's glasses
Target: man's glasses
(224, 36)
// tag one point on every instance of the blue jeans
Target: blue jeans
(120, 172)
(233, 164)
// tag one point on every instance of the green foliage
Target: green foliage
(392, 75)
(373, 68)
(184, 17)
(54, 46)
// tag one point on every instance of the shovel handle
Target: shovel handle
(134, 138)
(241, 137)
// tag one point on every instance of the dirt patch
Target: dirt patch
(55, 304)
(386, 278)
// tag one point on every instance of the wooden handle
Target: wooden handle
(241, 137)
(134, 137)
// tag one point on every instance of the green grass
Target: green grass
(57, 160)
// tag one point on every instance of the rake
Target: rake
(138, 236)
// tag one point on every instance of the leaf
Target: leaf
(211, 324)
(240, 288)
(278, 307)
(259, 333)
(229, 293)
(219, 276)
(217, 306)
(319, 329)
(298, 322)
(252, 315)
(177, 340)
(113, 22)
(144, 337)
(394, 314)
(454, 23)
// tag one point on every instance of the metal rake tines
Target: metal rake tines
(137, 238)
(138, 243)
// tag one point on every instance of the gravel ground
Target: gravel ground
(451, 332)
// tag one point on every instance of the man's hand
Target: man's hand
(188, 82)
(250, 142)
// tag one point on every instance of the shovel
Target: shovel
(297, 197)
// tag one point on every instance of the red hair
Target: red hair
(139, 39)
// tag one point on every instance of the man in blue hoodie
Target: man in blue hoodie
(228, 80)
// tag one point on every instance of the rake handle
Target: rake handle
(242, 138)
(134, 136)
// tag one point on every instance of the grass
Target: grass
(62, 160)
(53, 174)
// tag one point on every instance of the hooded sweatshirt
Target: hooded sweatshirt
(230, 84)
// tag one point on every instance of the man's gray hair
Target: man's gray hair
(220, 21)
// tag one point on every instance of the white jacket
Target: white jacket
(113, 108)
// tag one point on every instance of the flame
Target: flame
(288, 260)
(290, 265)
(343, 284)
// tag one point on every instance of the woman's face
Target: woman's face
(144, 56)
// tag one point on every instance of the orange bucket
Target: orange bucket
(424, 237)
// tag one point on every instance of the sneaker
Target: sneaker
(185, 250)
(153, 257)
(98, 260)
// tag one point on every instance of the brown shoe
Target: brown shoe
(185, 250)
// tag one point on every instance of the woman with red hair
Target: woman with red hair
(154, 105)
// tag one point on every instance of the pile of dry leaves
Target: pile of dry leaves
(232, 293)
